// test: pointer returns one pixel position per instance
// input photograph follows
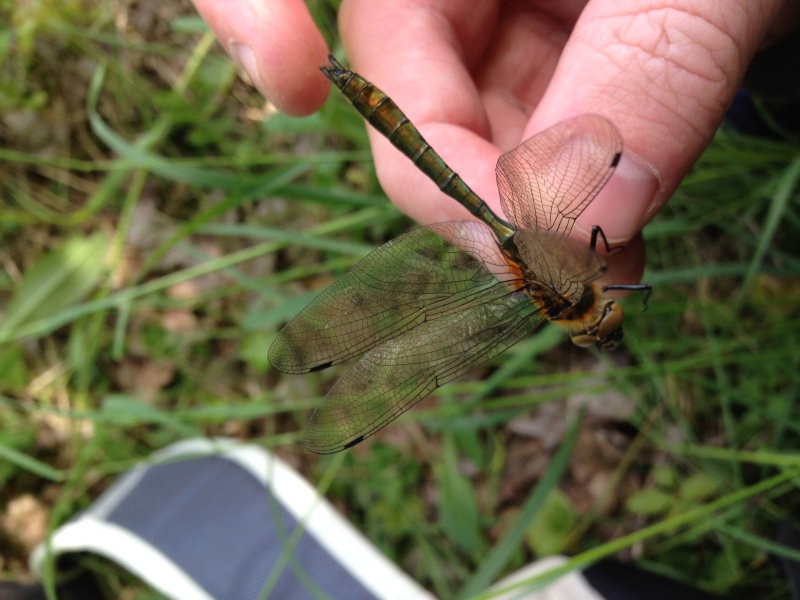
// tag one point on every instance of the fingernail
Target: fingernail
(247, 60)
(620, 207)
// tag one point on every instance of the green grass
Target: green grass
(155, 237)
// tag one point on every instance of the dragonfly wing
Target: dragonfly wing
(560, 262)
(423, 275)
(549, 180)
(391, 378)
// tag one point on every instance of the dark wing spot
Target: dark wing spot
(353, 442)
(462, 262)
(428, 252)
(321, 366)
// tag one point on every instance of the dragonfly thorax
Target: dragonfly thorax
(605, 331)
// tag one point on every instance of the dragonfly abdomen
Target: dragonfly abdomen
(384, 115)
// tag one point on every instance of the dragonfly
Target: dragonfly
(433, 303)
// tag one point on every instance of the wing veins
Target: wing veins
(385, 401)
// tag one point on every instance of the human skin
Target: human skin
(478, 78)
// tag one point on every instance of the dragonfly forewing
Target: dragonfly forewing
(423, 275)
(548, 181)
(394, 376)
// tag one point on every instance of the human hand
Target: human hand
(478, 78)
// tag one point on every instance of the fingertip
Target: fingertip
(623, 205)
(292, 80)
(626, 265)
(279, 47)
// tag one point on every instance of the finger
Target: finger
(665, 77)
(422, 65)
(277, 43)
(626, 265)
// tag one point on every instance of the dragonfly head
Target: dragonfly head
(606, 332)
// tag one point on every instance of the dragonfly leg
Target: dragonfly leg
(598, 231)
(632, 287)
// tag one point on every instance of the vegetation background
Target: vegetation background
(159, 223)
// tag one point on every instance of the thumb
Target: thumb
(665, 77)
